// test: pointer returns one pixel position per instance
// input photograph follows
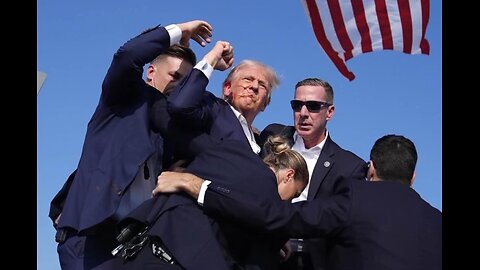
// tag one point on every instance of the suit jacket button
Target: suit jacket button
(119, 192)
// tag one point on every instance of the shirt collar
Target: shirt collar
(237, 113)
(299, 145)
(247, 130)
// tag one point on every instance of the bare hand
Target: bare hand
(198, 30)
(221, 56)
(227, 58)
(172, 182)
(285, 252)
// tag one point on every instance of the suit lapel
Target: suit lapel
(323, 166)
(232, 121)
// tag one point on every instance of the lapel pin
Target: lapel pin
(326, 164)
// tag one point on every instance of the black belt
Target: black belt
(104, 228)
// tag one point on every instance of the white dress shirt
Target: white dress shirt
(174, 32)
(311, 156)
(248, 131)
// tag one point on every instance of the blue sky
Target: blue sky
(393, 93)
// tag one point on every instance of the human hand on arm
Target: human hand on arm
(199, 31)
(221, 56)
(172, 182)
(285, 252)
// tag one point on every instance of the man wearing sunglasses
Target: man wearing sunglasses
(380, 224)
(328, 164)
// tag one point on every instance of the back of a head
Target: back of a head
(280, 156)
(180, 52)
(394, 158)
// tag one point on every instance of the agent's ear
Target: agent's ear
(330, 112)
(371, 171)
(150, 72)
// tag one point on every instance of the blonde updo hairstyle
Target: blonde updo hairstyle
(281, 156)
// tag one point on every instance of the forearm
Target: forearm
(316, 218)
(192, 185)
(303, 219)
(145, 47)
(171, 182)
(188, 96)
(126, 70)
(188, 100)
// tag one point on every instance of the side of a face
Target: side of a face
(311, 125)
(288, 188)
(167, 72)
(248, 90)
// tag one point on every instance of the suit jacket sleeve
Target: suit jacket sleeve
(56, 205)
(316, 218)
(121, 84)
(191, 103)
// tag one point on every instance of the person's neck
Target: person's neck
(249, 120)
(314, 141)
(249, 116)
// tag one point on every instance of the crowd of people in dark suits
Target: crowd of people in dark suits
(173, 177)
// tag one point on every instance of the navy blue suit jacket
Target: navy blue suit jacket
(194, 240)
(334, 166)
(185, 231)
(380, 225)
(195, 108)
(220, 152)
(120, 136)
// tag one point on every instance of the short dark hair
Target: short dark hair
(180, 52)
(394, 158)
(318, 82)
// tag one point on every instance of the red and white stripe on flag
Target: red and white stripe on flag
(347, 28)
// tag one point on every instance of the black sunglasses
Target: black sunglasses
(312, 105)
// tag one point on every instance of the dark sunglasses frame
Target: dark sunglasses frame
(312, 105)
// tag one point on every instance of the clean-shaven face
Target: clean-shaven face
(166, 73)
(248, 89)
(310, 125)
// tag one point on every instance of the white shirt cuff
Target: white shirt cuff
(175, 33)
(203, 189)
(204, 67)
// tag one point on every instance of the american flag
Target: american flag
(347, 28)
